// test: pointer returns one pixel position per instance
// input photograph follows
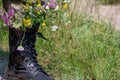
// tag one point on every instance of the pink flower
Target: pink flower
(11, 12)
(7, 17)
(20, 48)
(52, 5)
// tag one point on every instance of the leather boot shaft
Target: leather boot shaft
(23, 65)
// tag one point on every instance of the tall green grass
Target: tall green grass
(80, 50)
(83, 50)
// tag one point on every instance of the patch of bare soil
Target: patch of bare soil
(111, 14)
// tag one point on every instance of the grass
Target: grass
(109, 1)
(84, 50)
(81, 50)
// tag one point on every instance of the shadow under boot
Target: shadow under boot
(23, 65)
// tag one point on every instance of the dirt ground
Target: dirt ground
(109, 13)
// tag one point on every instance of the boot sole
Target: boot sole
(11, 75)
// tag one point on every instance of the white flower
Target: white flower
(67, 1)
(54, 28)
(30, 7)
(4, 24)
(56, 8)
(47, 7)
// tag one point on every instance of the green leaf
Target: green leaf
(17, 25)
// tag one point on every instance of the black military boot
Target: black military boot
(23, 65)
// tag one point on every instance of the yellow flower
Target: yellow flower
(27, 22)
(65, 6)
(27, 7)
(38, 5)
(38, 12)
(43, 24)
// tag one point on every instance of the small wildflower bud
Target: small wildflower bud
(43, 24)
(20, 48)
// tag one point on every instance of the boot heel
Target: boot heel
(12, 76)
(9, 77)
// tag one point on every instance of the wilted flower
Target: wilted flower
(20, 48)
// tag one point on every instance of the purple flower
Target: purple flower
(6, 20)
(11, 12)
(45, 5)
(20, 48)
(7, 17)
(52, 5)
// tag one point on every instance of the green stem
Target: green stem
(22, 39)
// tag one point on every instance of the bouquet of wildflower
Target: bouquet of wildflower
(31, 12)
